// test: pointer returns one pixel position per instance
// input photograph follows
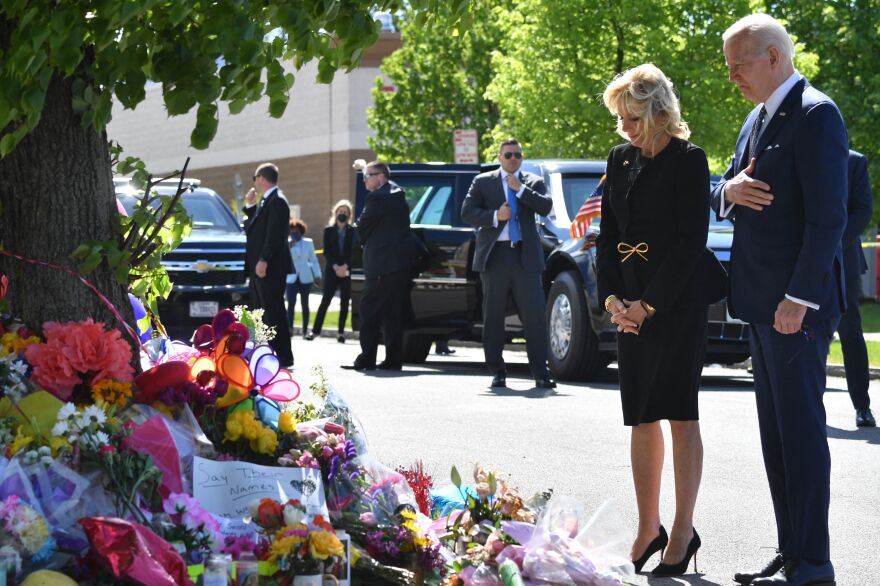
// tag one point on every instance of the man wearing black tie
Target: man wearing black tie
(502, 205)
(267, 258)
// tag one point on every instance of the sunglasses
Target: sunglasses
(507, 155)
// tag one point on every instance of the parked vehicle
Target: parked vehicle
(207, 269)
(447, 297)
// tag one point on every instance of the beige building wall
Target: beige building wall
(323, 129)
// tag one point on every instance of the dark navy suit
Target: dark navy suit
(852, 339)
(793, 247)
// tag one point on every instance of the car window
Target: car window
(429, 199)
(576, 188)
(207, 212)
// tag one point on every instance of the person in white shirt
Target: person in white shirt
(306, 270)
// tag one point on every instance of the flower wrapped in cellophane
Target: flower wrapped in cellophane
(24, 534)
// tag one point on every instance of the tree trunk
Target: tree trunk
(56, 192)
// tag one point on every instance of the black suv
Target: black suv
(447, 297)
(207, 269)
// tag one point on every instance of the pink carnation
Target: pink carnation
(75, 349)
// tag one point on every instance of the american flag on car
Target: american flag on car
(591, 208)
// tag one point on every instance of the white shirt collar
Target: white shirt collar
(775, 100)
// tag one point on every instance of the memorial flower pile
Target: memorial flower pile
(23, 532)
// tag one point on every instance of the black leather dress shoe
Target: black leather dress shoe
(545, 383)
(800, 574)
(499, 380)
(387, 366)
(359, 367)
(771, 568)
(864, 418)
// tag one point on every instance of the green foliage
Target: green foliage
(201, 53)
(440, 75)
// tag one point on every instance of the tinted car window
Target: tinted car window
(576, 188)
(429, 200)
(207, 212)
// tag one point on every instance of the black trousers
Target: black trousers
(382, 305)
(268, 294)
(331, 283)
(789, 372)
(302, 290)
(504, 276)
(852, 343)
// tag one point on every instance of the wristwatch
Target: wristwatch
(649, 309)
(608, 301)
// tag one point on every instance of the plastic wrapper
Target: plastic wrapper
(570, 548)
(373, 493)
(153, 438)
(337, 411)
(133, 552)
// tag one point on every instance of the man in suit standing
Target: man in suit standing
(852, 339)
(502, 205)
(389, 257)
(786, 192)
(267, 258)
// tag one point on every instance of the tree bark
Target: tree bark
(56, 192)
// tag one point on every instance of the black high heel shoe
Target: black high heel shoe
(658, 544)
(681, 567)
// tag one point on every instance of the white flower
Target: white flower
(60, 428)
(18, 367)
(293, 515)
(66, 411)
(92, 415)
(96, 439)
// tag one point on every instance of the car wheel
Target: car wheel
(573, 346)
(416, 347)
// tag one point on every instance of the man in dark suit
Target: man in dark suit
(786, 192)
(502, 205)
(267, 260)
(852, 339)
(389, 257)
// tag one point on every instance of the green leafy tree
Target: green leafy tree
(557, 58)
(439, 77)
(62, 64)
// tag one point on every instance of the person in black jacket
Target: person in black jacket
(650, 251)
(267, 258)
(390, 255)
(339, 237)
(852, 339)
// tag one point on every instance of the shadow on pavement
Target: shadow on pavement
(871, 435)
(532, 393)
(694, 580)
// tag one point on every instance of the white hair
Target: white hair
(762, 31)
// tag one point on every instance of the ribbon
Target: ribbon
(628, 250)
(128, 329)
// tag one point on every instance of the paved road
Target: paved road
(573, 440)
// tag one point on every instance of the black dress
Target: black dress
(655, 216)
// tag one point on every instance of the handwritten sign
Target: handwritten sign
(227, 488)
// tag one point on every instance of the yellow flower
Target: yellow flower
(323, 544)
(21, 440)
(12, 343)
(282, 547)
(266, 442)
(286, 422)
(234, 428)
(107, 393)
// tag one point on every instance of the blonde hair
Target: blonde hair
(761, 31)
(644, 91)
(335, 208)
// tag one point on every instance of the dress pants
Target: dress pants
(331, 282)
(302, 290)
(789, 372)
(268, 294)
(382, 305)
(852, 342)
(504, 276)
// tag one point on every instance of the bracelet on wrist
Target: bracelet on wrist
(608, 301)
(649, 309)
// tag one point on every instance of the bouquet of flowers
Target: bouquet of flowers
(188, 527)
(406, 544)
(298, 545)
(23, 533)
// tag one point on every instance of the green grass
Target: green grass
(835, 356)
(331, 320)
(870, 317)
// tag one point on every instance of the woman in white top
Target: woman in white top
(306, 270)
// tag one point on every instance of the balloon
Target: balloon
(168, 374)
(141, 319)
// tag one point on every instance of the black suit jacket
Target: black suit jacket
(334, 255)
(664, 203)
(860, 206)
(383, 229)
(485, 196)
(267, 228)
(793, 246)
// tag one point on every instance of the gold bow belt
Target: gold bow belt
(628, 250)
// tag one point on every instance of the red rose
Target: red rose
(108, 449)
(270, 514)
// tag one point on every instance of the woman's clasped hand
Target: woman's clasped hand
(627, 315)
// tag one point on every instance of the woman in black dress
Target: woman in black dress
(338, 239)
(652, 240)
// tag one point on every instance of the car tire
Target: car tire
(573, 348)
(416, 347)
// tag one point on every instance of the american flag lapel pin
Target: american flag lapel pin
(782, 114)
